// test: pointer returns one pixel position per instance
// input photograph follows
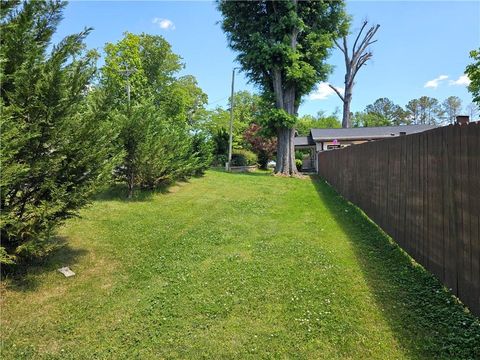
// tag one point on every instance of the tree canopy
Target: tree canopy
(473, 72)
(283, 47)
(55, 145)
(155, 126)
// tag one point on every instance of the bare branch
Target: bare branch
(361, 61)
(359, 57)
(358, 36)
(338, 92)
(367, 40)
(338, 45)
(346, 50)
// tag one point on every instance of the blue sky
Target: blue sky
(422, 47)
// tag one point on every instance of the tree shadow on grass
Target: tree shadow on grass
(427, 320)
(119, 192)
(258, 172)
(24, 277)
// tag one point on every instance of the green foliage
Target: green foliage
(260, 31)
(369, 119)
(298, 162)
(452, 106)
(271, 119)
(246, 111)
(386, 113)
(220, 141)
(282, 47)
(152, 66)
(202, 152)
(279, 118)
(244, 158)
(321, 121)
(425, 110)
(473, 72)
(156, 151)
(155, 128)
(55, 147)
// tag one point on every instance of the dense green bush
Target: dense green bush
(202, 152)
(220, 140)
(56, 146)
(244, 158)
(220, 160)
(298, 162)
(158, 151)
(155, 123)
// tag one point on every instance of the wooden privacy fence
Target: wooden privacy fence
(424, 191)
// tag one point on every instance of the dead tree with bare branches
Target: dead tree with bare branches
(353, 62)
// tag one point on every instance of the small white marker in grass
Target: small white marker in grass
(66, 271)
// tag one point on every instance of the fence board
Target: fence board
(422, 189)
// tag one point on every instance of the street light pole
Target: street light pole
(231, 123)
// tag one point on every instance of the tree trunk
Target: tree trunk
(130, 178)
(286, 152)
(131, 185)
(285, 100)
(285, 97)
(346, 108)
(359, 56)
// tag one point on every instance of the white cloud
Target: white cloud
(164, 24)
(463, 80)
(435, 82)
(323, 91)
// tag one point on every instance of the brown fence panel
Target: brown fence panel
(423, 190)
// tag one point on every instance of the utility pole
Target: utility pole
(130, 174)
(231, 123)
(127, 72)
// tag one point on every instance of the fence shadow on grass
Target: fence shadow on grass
(426, 319)
(25, 277)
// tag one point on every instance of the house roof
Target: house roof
(380, 132)
(304, 140)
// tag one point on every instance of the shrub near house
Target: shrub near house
(244, 158)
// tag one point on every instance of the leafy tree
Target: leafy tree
(184, 100)
(246, 108)
(245, 112)
(155, 126)
(387, 109)
(473, 72)
(425, 110)
(452, 106)
(151, 67)
(282, 47)
(320, 121)
(369, 119)
(220, 140)
(354, 60)
(262, 145)
(202, 152)
(55, 145)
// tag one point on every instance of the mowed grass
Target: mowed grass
(231, 266)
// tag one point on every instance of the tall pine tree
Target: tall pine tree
(55, 146)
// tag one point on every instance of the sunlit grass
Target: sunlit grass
(232, 266)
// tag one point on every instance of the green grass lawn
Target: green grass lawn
(231, 266)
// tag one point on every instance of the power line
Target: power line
(217, 101)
